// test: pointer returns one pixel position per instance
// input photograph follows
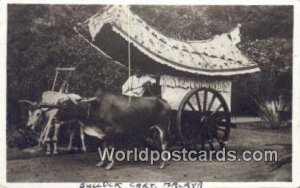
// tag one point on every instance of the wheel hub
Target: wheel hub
(204, 120)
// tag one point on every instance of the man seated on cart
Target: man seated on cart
(139, 85)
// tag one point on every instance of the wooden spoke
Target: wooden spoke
(211, 102)
(220, 129)
(222, 117)
(204, 100)
(215, 111)
(221, 124)
(214, 128)
(190, 105)
(198, 101)
(216, 135)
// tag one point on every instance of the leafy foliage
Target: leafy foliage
(204, 22)
(274, 56)
(43, 40)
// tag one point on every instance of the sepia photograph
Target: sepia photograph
(149, 93)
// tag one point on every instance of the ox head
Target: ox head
(35, 113)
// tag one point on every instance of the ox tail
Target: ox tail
(160, 99)
(167, 129)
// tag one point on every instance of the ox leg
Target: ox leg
(38, 146)
(109, 159)
(55, 137)
(46, 138)
(102, 162)
(111, 162)
(47, 141)
(47, 129)
(40, 140)
(48, 151)
(83, 147)
(164, 145)
(71, 136)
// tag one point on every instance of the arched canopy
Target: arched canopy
(117, 26)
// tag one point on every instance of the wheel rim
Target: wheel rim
(203, 119)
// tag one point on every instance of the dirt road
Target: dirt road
(81, 167)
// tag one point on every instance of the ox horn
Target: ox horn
(89, 100)
(28, 102)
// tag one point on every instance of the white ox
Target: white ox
(40, 112)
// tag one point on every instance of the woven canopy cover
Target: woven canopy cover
(215, 57)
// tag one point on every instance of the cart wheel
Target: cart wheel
(203, 119)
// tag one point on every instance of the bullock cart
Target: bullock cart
(194, 77)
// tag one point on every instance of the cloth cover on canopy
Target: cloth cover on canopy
(215, 57)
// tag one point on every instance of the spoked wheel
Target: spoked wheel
(203, 119)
